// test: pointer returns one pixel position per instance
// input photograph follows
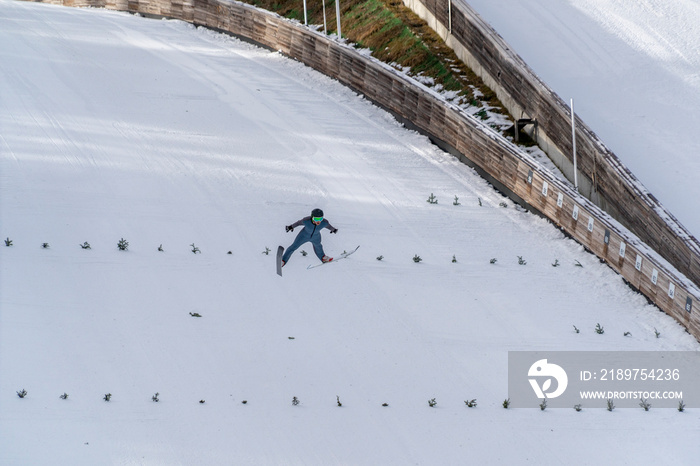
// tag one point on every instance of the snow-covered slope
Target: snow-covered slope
(633, 69)
(114, 126)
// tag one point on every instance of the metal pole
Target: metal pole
(325, 30)
(449, 14)
(306, 22)
(337, 17)
(573, 138)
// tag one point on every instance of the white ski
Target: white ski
(335, 259)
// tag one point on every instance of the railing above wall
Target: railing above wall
(466, 136)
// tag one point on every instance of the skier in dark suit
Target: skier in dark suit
(311, 232)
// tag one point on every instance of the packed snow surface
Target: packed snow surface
(633, 70)
(118, 127)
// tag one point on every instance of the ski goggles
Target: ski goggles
(317, 219)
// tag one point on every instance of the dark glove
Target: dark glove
(334, 231)
(289, 228)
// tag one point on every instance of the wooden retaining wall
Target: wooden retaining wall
(461, 133)
(602, 177)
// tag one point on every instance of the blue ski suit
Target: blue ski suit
(311, 233)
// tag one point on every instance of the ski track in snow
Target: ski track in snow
(115, 126)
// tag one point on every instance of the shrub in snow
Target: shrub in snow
(506, 403)
(107, 397)
(295, 401)
(576, 329)
(645, 404)
(627, 334)
(85, 245)
(577, 407)
(493, 261)
(195, 249)
(454, 259)
(22, 393)
(417, 258)
(681, 406)
(155, 397)
(380, 258)
(266, 251)
(64, 396)
(578, 264)
(555, 263)
(503, 204)
(470, 403)
(456, 201)
(480, 204)
(8, 242)
(521, 261)
(45, 245)
(432, 403)
(123, 245)
(201, 402)
(338, 401)
(432, 199)
(610, 404)
(657, 333)
(304, 253)
(543, 405)
(195, 314)
(385, 404)
(160, 248)
(244, 402)
(599, 329)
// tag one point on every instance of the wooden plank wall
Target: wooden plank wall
(587, 223)
(617, 188)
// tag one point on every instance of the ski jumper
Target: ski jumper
(311, 233)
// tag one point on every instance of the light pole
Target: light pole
(337, 17)
(573, 139)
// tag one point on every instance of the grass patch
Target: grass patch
(396, 36)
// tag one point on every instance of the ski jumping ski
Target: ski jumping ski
(342, 256)
(280, 251)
